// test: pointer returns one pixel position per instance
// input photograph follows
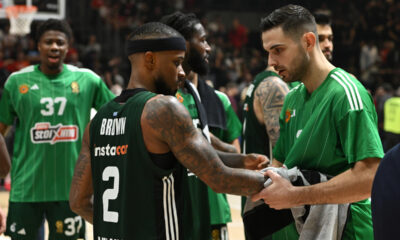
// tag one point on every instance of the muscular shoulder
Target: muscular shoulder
(163, 111)
(166, 123)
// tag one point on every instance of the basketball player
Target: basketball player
(137, 148)
(325, 34)
(51, 102)
(221, 121)
(328, 123)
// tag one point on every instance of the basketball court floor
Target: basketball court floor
(235, 228)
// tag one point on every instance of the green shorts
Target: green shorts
(24, 220)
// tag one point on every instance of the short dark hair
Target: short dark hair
(153, 30)
(322, 18)
(183, 23)
(55, 25)
(295, 20)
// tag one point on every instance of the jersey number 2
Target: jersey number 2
(110, 194)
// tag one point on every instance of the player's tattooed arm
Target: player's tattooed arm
(222, 146)
(270, 95)
(250, 161)
(5, 163)
(168, 120)
(81, 186)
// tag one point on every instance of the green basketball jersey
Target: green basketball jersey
(218, 203)
(51, 112)
(219, 207)
(199, 216)
(233, 124)
(134, 198)
(255, 137)
(328, 131)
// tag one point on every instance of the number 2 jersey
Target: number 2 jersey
(137, 195)
(51, 112)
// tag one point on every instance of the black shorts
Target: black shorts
(25, 218)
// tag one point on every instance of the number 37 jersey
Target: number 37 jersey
(51, 112)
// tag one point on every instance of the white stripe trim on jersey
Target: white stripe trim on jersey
(73, 68)
(170, 213)
(345, 89)
(353, 95)
(171, 221)
(27, 69)
(174, 208)
(165, 208)
(360, 103)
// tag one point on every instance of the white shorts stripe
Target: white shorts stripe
(353, 95)
(345, 89)
(360, 103)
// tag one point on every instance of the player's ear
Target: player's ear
(309, 39)
(149, 60)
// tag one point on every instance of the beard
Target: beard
(328, 54)
(162, 88)
(300, 66)
(197, 62)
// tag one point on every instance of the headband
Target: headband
(155, 45)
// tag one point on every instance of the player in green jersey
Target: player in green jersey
(140, 144)
(261, 110)
(222, 122)
(328, 123)
(51, 102)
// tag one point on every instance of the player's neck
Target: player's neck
(137, 80)
(317, 72)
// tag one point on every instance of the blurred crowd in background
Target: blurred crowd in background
(366, 40)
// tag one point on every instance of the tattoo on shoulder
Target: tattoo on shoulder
(271, 94)
(169, 117)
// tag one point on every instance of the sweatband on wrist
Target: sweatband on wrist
(155, 45)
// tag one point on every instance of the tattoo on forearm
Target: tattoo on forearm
(169, 119)
(222, 146)
(271, 94)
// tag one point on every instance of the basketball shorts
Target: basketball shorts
(25, 218)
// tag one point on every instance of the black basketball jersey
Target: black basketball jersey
(133, 197)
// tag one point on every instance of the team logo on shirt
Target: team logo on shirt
(289, 114)
(23, 88)
(179, 97)
(45, 133)
(75, 87)
(59, 226)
